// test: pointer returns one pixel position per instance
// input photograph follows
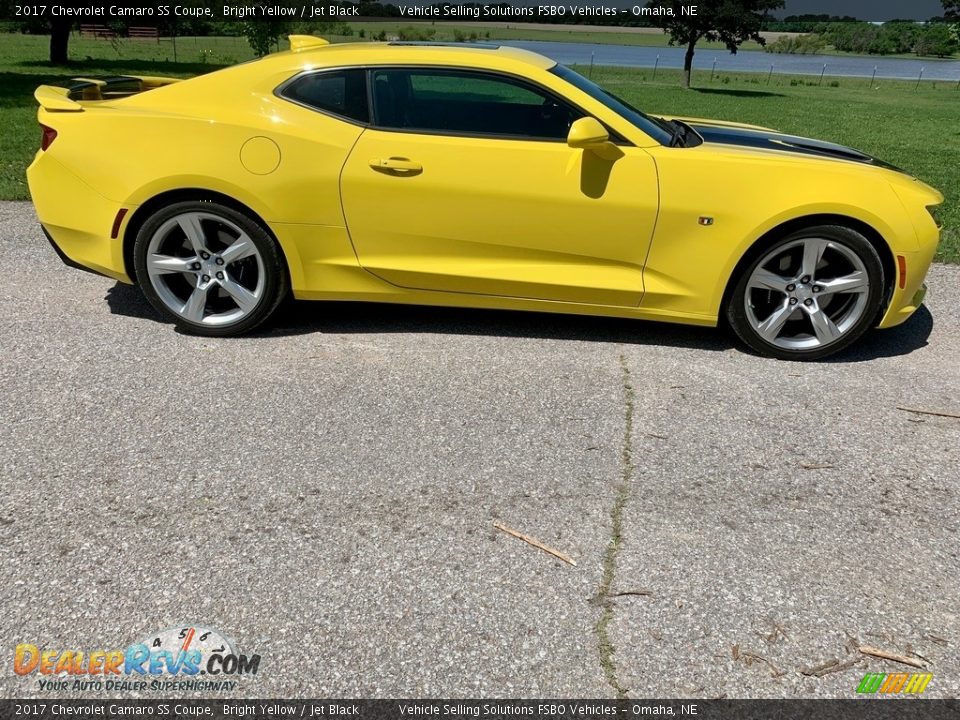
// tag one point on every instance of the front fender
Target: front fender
(746, 195)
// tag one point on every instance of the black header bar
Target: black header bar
(606, 12)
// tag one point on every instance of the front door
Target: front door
(466, 184)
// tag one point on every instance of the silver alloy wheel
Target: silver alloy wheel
(205, 268)
(807, 294)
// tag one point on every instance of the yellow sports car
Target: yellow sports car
(470, 175)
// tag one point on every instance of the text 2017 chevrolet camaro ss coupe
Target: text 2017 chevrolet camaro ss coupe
(473, 176)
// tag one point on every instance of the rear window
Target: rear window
(340, 92)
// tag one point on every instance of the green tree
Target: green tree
(951, 13)
(731, 22)
(263, 34)
(901, 35)
(936, 39)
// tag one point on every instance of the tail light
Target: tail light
(48, 135)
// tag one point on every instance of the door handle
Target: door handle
(396, 164)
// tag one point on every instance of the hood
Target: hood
(764, 139)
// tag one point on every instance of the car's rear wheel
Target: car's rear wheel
(809, 295)
(209, 268)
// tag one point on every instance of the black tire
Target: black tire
(264, 270)
(843, 245)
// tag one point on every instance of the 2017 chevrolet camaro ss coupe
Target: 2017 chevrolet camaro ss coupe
(474, 176)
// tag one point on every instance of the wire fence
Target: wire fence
(834, 80)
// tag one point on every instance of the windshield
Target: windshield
(655, 128)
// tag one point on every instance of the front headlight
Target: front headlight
(936, 212)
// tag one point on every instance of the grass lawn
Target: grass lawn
(916, 129)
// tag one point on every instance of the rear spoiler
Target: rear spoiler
(306, 42)
(66, 99)
(56, 99)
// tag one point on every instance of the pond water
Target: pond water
(569, 53)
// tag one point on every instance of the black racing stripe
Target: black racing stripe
(766, 140)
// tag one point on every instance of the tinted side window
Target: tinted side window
(453, 102)
(343, 92)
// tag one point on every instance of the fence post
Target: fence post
(770, 76)
(919, 79)
(591, 66)
(822, 73)
(655, 68)
(713, 69)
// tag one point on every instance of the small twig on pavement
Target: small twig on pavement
(914, 653)
(749, 658)
(886, 655)
(830, 666)
(536, 543)
(816, 466)
(929, 412)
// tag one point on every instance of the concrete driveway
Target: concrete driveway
(324, 493)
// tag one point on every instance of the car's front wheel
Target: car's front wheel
(209, 268)
(809, 295)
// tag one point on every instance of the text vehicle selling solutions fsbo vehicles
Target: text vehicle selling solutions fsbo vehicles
(473, 176)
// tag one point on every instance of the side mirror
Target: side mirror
(587, 133)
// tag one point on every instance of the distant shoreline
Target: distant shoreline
(508, 25)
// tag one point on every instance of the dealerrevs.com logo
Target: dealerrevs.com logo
(172, 659)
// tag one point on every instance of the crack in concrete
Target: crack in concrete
(621, 495)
